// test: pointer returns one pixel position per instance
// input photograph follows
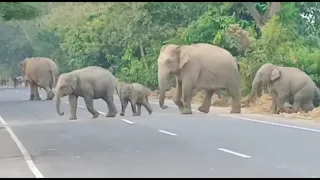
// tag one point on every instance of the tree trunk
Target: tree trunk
(274, 8)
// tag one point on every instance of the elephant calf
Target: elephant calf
(287, 84)
(136, 93)
(91, 82)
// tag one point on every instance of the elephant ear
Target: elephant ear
(22, 66)
(184, 55)
(275, 74)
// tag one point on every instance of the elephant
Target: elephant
(198, 66)
(136, 93)
(39, 72)
(91, 83)
(287, 85)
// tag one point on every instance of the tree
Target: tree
(19, 11)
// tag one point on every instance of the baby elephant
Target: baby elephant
(136, 93)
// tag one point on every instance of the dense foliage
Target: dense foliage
(126, 37)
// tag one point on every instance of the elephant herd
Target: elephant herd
(196, 66)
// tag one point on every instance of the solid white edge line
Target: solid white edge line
(258, 121)
(23, 150)
(166, 132)
(272, 123)
(234, 153)
(127, 121)
(243, 118)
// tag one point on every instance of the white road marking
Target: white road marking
(258, 121)
(272, 123)
(23, 150)
(234, 153)
(65, 136)
(166, 132)
(127, 121)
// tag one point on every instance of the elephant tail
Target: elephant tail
(53, 79)
(238, 65)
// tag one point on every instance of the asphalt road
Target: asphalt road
(36, 142)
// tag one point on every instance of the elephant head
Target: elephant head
(170, 61)
(65, 86)
(22, 66)
(265, 75)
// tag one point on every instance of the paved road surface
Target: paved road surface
(36, 142)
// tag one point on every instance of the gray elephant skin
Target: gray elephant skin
(136, 94)
(198, 66)
(287, 84)
(39, 72)
(91, 83)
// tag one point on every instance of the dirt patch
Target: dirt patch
(264, 103)
(260, 105)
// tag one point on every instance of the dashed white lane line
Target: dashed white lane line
(168, 133)
(272, 123)
(23, 150)
(127, 121)
(234, 153)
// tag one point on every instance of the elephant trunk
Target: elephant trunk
(58, 101)
(256, 88)
(162, 79)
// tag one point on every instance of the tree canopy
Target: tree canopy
(126, 37)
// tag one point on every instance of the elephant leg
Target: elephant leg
(206, 103)
(177, 99)
(187, 97)
(138, 109)
(112, 110)
(133, 107)
(31, 91)
(279, 101)
(147, 105)
(307, 106)
(89, 103)
(73, 100)
(235, 95)
(50, 94)
(36, 92)
(124, 104)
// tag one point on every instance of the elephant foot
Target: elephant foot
(121, 114)
(150, 112)
(73, 118)
(136, 114)
(235, 111)
(95, 115)
(50, 96)
(186, 111)
(204, 110)
(111, 114)
(31, 97)
(37, 98)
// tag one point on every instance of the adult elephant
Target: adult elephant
(198, 66)
(39, 72)
(287, 84)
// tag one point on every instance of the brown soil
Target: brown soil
(259, 105)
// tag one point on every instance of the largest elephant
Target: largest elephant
(40, 72)
(287, 84)
(198, 66)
